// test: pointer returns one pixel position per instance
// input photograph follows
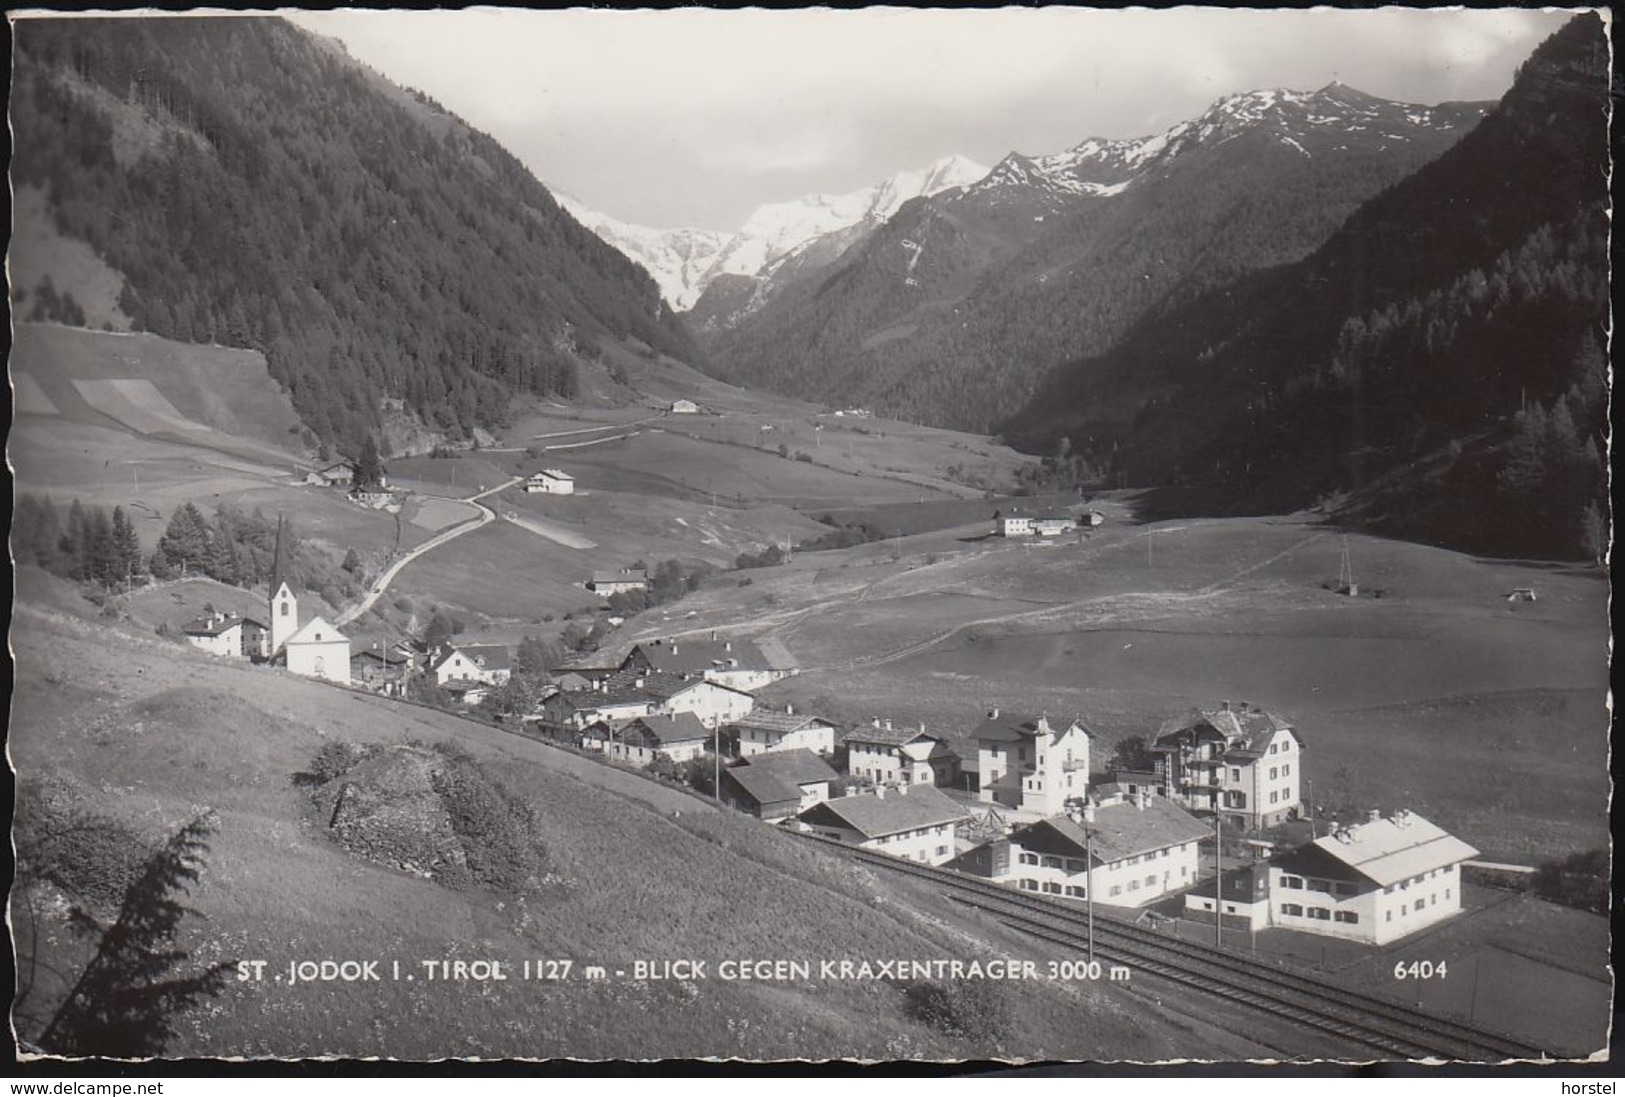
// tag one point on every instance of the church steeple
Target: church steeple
(284, 606)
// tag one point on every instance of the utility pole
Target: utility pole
(1218, 874)
(1309, 807)
(716, 765)
(1089, 886)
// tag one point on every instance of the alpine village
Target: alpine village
(878, 650)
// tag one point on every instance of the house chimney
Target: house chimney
(674, 649)
(993, 713)
(713, 634)
(1373, 815)
(874, 722)
(887, 723)
(789, 710)
(727, 645)
(1224, 706)
(1145, 798)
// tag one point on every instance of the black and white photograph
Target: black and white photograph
(869, 536)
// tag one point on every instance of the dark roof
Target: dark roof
(763, 786)
(888, 736)
(682, 727)
(281, 570)
(212, 625)
(489, 656)
(797, 767)
(898, 810)
(1243, 729)
(1122, 830)
(686, 656)
(601, 577)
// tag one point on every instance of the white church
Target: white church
(317, 650)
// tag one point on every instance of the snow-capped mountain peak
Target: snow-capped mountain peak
(678, 259)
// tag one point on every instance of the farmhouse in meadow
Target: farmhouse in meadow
(1016, 522)
(1374, 882)
(618, 582)
(684, 407)
(551, 482)
(340, 474)
(900, 756)
(765, 730)
(1026, 762)
(913, 822)
(1238, 760)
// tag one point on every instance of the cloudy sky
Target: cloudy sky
(694, 117)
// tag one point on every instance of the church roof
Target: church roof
(281, 570)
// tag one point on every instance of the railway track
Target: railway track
(1388, 1027)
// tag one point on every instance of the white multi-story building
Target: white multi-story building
(1238, 760)
(765, 730)
(912, 822)
(1025, 762)
(899, 756)
(551, 482)
(1130, 851)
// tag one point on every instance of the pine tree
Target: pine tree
(185, 543)
(127, 544)
(75, 543)
(369, 466)
(103, 564)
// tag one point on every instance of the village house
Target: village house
(777, 785)
(739, 664)
(381, 667)
(225, 634)
(1130, 850)
(765, 730)
(1372, 882)
(900, 756)
(684, 407)
(489, 664)
(641, 740)
(466, 691)
(572, 712)
(374, 497)
(618, 582)
(1238, 760)
(710, 703)
(551, 482)
(914, 822)
(1024, 762)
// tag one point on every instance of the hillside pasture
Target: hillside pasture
(152, 733)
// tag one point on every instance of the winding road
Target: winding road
(381, 584)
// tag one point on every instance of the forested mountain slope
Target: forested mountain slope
(1438, 359)
(258, 188)
(953, 310)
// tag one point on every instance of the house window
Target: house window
(1447, 893)
(1053, 862)
(1272, 797)
(284, 609)
(1286, 771)
(1320, 914)
(1274, 773)
(1420, 903)
(1134, 860)
(1390, 916)
(1029, 858)
(1235, 774)
(1292, 910)
(1150, 881)
(1052, 888)
(1117, 889)
(1286, 746)
(1320, 885)
(1029, 885)
(942, 851)
(1134, 885)
(1075, 891)
(1348, 917)
(1292, 881)
(1273, 748)
(1230, 908)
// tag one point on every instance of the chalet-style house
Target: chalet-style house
(914, 822)
(1024, 762)
(900, 756)
(767, 730)
(1238, 760)
(641, 740)
(340, 474)
(382, 667)
(1374, 882)
(551, 482)
(489, 664)
(375, 497)
(777, 785)
(1131, 851)
(618, 582)
(712, 704)
(228, 634)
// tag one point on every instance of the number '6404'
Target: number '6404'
(1420, 969)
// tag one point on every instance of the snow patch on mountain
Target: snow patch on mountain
(680, 260)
